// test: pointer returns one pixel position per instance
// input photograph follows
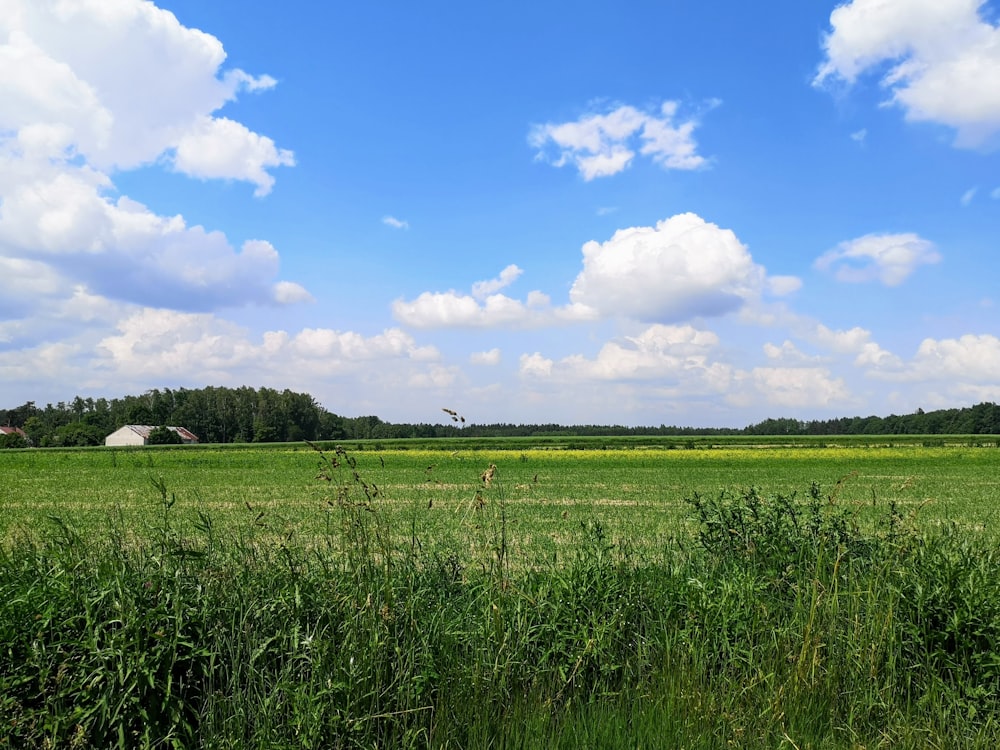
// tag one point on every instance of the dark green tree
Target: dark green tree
(77, 434)
(163, 436)
(12, 440)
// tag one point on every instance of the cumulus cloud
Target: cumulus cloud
(451, 309)
(673, 364)
(661, 352)
(888, 258)
(123, 251)
(70, 118)
(948, 372)
(842, 342)
(858, 342)
(32, 364)
(491, 357)
(123, 110)
(483, 308)
(970, 359)
(684, 267)
(289, 293)
(942, 59)
(674, 360)
(798, 387)
(603, 144)
(222, 148)
(855, 345)
(787, 352)
(200, 347)
(535, 365)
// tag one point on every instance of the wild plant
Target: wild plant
(775, 620)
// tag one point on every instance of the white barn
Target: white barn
(138, 434)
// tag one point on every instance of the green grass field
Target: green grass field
(638, 492)
(627, 595)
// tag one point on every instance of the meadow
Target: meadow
(502, 594)
(633, 489)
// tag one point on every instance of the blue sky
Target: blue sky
(635, 213)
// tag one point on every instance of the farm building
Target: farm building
(8, 430)
(138, 434)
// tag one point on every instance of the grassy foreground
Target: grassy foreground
(764, 620)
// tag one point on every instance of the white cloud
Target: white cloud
(217, 147)
(603, 144)
(857, 341)
(120, 110)
(289, 293)
(842, 342)
(876, 359)
(787, 352)
(682, 268)
(392, 221)
(71, 115)
(451, 309)
(798, 387)
(34, 364)
(661, 352)
(673, 365)
(435, 377)
(535, 366)
(949, 372)
(123, 251)
(58, 311)
(484, 308)
(859, 135)
(995, 194)
(491, 357)
(968, 359)
(675, 361)
(24, 281)
(967, 196)
(943, 59)
(888, 258)
(199, 347)
(483, 289)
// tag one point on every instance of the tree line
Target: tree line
(266, 415)
(214, 414)
(981, 419)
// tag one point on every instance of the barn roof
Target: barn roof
(143, 430)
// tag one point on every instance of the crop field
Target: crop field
(507, 594)
(637, 492)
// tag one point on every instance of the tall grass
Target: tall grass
(772, 621)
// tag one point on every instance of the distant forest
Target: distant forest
(265, 415)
